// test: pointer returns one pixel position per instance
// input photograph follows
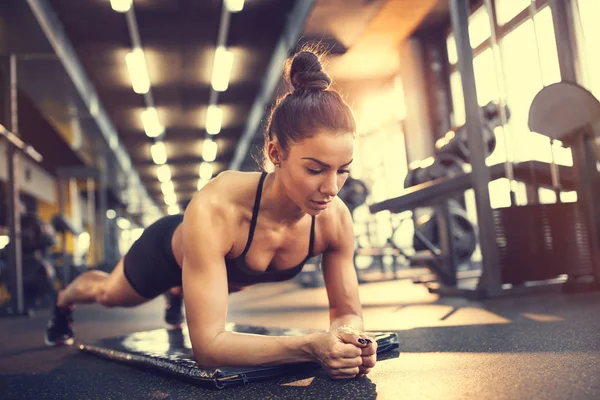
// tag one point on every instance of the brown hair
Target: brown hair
(311, 106)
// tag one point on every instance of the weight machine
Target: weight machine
(531, 247)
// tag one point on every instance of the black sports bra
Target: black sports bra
(238, 271)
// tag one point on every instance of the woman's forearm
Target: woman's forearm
(232, 349)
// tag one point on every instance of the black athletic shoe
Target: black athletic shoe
(173, 312)
(59, 331)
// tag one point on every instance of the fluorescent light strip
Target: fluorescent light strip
(234, 5)
(170, 198)
(151, 122)
(206, 171)
(173, 209)
(209, 150)
(163, 172)
(214, 118)
(121, 6)
(222, 69)
(167, 187)
(138, 72)
(159, 153)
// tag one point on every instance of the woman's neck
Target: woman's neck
(276, 202)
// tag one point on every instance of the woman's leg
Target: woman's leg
(100, 287)
(90, 287)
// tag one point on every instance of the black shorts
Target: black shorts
(149, 265)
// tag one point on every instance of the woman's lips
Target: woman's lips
(320, 205)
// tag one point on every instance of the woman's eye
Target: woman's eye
(344, 171)
(314, 171)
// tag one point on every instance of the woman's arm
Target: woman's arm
(339, 272)
(207, 236)
(341, 282)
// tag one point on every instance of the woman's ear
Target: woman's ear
(274, 153)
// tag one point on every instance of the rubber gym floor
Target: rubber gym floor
(542, 346)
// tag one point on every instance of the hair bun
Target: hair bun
(307, 73)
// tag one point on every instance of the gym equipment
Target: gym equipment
(567, 112)
(451, 156)
(39, 279)
(455, 141)
(463, 233)
(39, 266)
(13, 273)
(536, 242)
(36, 233)
(578, 108)
(379, 269)
(441, 259)
(170, 352)
(429, 193)
(441, 166)
(354, 193)
(38, 270)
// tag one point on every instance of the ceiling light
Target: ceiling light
(167, 187)
(123, 223)
(221, 69)
(138, 73)
(173, 209)
(234, 5)
(151, 123)
(111, 214)
(121, 5)
(209, 150)
(159, 153)
(214, 117)
(170, 198)
(202, 183)
(206, 171)
(4, 241)
(163, 172)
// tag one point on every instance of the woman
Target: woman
(244, 228)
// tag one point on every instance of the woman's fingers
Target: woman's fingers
(344, 373)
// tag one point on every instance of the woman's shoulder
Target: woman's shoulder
(228, 189)
(236, 184)
(336, 217)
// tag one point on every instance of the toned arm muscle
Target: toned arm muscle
(339, 273)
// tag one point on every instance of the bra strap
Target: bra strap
(255, 212)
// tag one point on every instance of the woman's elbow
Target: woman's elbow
(205, 360)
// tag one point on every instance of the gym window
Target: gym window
(524, 61)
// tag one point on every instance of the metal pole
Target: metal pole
(102, 225)
(75, 213)
(62, 201)
(15, 280)
(446, 240)
(490, 282)
(501, 85)
(566, 46)
(91, 211)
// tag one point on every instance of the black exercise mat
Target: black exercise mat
(170, 352)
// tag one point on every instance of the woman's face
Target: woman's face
(316, 168)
